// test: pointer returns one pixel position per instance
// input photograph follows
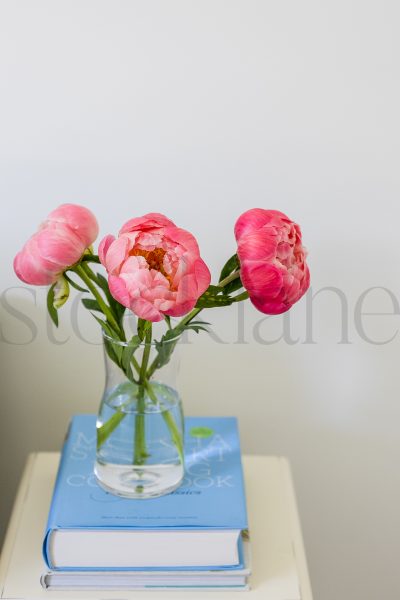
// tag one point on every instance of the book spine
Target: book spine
(245, 525)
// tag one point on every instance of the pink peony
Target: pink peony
(154, 267)
(58, 244)
(272, 260)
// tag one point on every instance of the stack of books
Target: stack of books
(194, 537)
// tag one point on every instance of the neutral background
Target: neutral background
(202, 110)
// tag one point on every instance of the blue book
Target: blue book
(197, 526)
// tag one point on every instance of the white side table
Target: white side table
(278, 559)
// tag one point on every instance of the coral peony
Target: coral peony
(272, 259)
(154, 267)
(58, 244)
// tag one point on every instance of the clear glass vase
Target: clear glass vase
(140, 422)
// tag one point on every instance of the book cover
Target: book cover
(211, 496)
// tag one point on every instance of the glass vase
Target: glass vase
(140, 421)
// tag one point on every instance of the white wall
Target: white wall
(201, 110)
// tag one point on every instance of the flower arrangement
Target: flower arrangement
(155, 271)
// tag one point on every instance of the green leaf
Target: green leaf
(103, 284)
(176, 435)
(233, 286)
(115, 306)
(127, 354)
(240, 297)
(212, 301)
(229, 267)
(142, 327)
(75, 285)
(114, 351)
(213, 296)
(168, 321)
(90, 258)
(91, 304)
(105, 326)
(213, 290)
(165, 348)
(50, 305)
(197, 328)
(110, 349)
(108, 427)
(175, 432)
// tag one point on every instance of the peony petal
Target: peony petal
(149, 221)
(284, 251)
(159, 279)
(30, 270)
(292, 288)
(79, 219)
(118, 290)
(270, 307)
(117, 252)
(202, 275)
(59, 246)
(103, 248)
(305, 284)
(148, 240)
(182, 268)
(178, 310)
(187, 289)
(133, 264)
(163, 305)
(255, 218)
(145, 310)
(183, 238)
(258, 245)
(261, 279)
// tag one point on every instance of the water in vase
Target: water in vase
(140, 441)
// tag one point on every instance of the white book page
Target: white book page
(127, 548)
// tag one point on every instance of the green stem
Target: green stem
(108, 427)
(196, 311)
(228, 279)
(187, 319)
(240, 297)
(146, 354)
(90, 258)
(140, 452)
(93, 276)
(106, 309)
(135, 364)
(176, 436)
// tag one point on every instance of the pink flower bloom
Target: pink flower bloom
(272, 260)
(58, 244)
(154, 267)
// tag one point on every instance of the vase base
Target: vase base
(138, 481)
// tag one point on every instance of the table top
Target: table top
(279, 567)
